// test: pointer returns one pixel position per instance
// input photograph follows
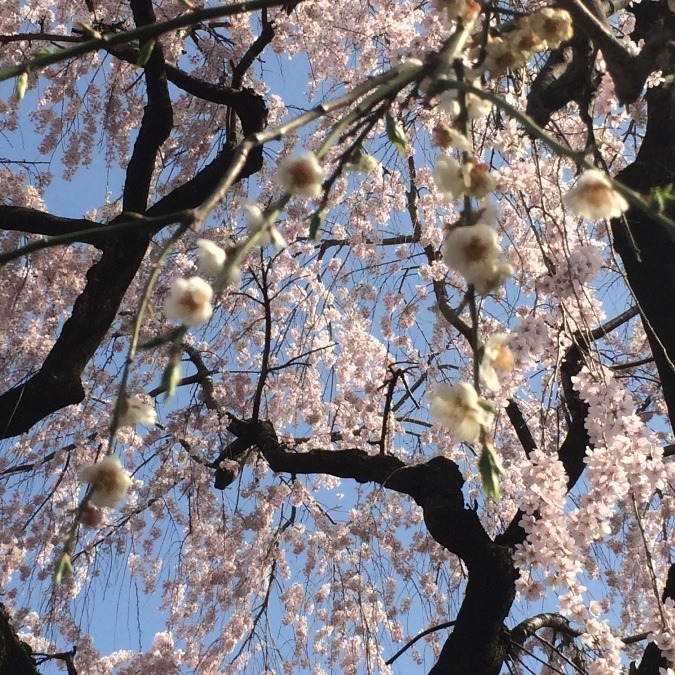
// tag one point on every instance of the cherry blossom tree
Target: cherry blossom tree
(349, 345)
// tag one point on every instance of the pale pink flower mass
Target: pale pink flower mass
(457, 9)
(254, 217)
(478, 181)
(453, 179)
(335, 340)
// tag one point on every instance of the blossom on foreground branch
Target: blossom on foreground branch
(545, 29)
(453, 179)
(189, 301)
(108, 479)
(593, 197)
(133, 411)
(458, 408)
(210, 257)
(474, 251)
(497, 359)
(301, 175)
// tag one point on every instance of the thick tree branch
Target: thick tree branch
(646, 249)
(15, 656)
(530, 626)
(628, 72)
(478, 643)
(157, 119)
(567, 74)
(519, 424)
(419, 636)
(58, 383)
(653, 661)
(248, 105)
(254, 51)
(32, 221)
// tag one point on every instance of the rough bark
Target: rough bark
(646, 249)
(16, 657)
(653, 660)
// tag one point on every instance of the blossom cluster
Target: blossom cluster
(339, 316)
(109, 481)
(474, 251)
(545, 29)
(458, 408)
(593, 197)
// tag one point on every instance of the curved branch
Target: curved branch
(566, 76)
(254, 51)
(519, 425)
(248, 105)
(58, 383)
(529, 627)
(419, 636)
(628, 72)
(478, 642)
(32, 221)
(264, 288)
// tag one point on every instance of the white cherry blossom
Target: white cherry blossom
(470, 250)
(108, 479)
(210, 257)
(553, 25)
(448, 178)
(134, 411)
(593, 197)
(497, 359)
(301, 175)
(457, 408)
(189, 301)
